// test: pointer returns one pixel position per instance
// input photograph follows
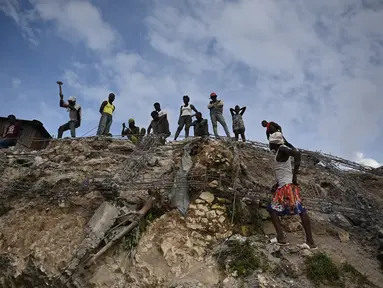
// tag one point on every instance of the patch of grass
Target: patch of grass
(355, 275)
(320, 269)
(240, 258)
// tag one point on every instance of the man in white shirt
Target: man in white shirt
(286, 192)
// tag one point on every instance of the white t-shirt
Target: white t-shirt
(186, 110)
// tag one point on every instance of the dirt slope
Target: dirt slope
(60, 206)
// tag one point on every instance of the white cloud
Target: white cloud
(359, 158)
(16, 83)
(12, 9)
(314, 67)
(78, 21)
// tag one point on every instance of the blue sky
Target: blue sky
(315, 67)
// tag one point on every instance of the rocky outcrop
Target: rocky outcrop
(61, 206)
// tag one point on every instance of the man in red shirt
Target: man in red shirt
(11, 133)
(271, 128)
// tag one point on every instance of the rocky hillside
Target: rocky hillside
(105, 213)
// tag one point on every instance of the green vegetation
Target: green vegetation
(240, 258)
(355, 275)
(320, 269)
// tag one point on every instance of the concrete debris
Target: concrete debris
(61, 205)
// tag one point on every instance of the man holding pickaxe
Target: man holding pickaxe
(74, 114)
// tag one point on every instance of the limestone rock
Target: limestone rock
(344, 236)
(213, 184)
(207, 196)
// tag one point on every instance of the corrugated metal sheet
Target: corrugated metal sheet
(30, 138)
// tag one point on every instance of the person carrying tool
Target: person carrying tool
(185, 118)
(11, 133)
(286, 199)
(238, 124)
(106, 111)
(216, 114)
(74, 116)
(201, 127)
(133, 132)
(272, 127)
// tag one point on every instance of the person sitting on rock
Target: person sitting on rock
(185, 118)
(272, 127)
(160, 126)
(201, 126)
(286, 199)
(133, 132)
(11, 133)
(216, 114)
(238, 124)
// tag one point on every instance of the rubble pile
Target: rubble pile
(100, 212)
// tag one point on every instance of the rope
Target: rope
(89, 131)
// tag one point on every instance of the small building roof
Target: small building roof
(35, 123)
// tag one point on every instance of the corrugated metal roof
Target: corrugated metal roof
(35, 123)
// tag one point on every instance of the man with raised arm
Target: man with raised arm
(74, 116)
(238, 124)
(133, 132)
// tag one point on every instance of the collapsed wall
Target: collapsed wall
(61, 207)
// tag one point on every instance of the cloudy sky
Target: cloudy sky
(315, 67)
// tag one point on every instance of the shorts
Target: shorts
(239, 131)
(287, 201)
(185, 120)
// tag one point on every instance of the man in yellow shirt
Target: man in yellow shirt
(106, 111)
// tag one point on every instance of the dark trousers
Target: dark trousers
(70, 125)
(6, 143)
(288, 144)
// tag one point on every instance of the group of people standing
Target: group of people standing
(286, 198)
(159, 124)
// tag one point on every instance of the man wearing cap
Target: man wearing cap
(133, 132)
(106, 110)
(11, 133)
(74, 116)
(216, 114)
